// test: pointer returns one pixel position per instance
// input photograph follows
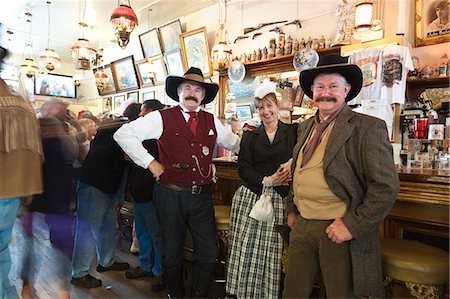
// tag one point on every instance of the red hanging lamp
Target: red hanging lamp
(124, 20)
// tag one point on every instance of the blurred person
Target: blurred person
(255, 247)
(148, 230)
(186, 137)
(101, 187)
(344, 184)
(20, 169)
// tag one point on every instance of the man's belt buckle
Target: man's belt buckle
(196, 190)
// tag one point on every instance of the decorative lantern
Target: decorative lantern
(124, 20)
(28, 68)
(221, 54)
(49, 58)
(83, 52)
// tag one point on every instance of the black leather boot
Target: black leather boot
(201, 281)
(175, 284)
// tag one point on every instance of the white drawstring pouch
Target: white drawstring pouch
(263, 208)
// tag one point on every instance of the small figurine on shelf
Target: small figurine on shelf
(322, 42)
(296, 46)
(435, 73)
(302, 43)
(315, 44)
(253, 56)
(328, 43)
(415, 73)
(426, 72)
(271, 51)
(288, 46)
(264, 53)
(309, 43)
(258, 54)
(443, 65)
(243, 58)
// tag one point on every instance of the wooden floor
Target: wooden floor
(50, 269)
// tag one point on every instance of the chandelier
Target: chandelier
(49, 58)
(28, 67)
(221, 54)
(83, 52)
(124, 20)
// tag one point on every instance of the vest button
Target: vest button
(193, 169)
(192, 144)
(193, 156)
(194, 182)
(201, 181)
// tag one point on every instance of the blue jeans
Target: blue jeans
(95, 229)
(149, 236)
(8, 212)
(178, 211)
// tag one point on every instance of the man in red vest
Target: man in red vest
(186, 137)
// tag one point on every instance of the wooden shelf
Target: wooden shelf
(414, 87)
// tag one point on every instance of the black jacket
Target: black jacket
(259, 158)
(140, 180)
(105, 164)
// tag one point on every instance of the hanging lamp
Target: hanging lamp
(221, 54)
(49, 58)
(124, 20)
(28, 67)
(83, 52)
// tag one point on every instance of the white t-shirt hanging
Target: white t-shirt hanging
(396, 62)
(369, 62)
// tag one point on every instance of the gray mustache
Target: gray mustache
(326, 99)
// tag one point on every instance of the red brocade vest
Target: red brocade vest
(187, 159)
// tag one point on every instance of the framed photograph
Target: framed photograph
(299, 95)
(158, 68)
(170, 36)
(243, 112)
(125, 74)
(174, 63)
(150, 95)
(134, 95)
(118, 100)
(432, 22)
(150, 43)
(110, 86)
(145, 73)
(107, 104)
(195, 50)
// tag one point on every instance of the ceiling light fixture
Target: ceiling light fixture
(49, 58)
(221, 54)
(83, 52)
(124, 20)
(367, 27)
(28, 67)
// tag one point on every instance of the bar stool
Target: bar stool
(423, 268)
(222, 215)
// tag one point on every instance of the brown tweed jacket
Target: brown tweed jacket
(359, 169)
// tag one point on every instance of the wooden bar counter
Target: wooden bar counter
(421, 211)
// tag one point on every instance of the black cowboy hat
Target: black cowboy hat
(195, 75)
(333, 63)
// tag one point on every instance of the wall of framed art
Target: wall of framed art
(124, 74)
(195, 51)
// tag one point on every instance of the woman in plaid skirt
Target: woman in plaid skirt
(255, 247)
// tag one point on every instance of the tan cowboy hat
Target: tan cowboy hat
(195, 75)
(333, 63)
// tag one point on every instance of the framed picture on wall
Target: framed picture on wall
(107, 104)
(159, 69)
(134, 95)
(243, 112)
(195, 50)
(170, 36)
(145, 73)
(150, 44)
(118, 100)
(174, 63)
(432, 22)
(125, 74)
(108, 87)
(149, 95)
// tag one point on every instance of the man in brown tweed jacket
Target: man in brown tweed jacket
(344, 184)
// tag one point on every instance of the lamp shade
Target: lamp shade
(363, 15)
(28, 67)
(83, 52)
(50, 59)
(124, 20)
(221, 56)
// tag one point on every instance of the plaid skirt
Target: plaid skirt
(255, 248)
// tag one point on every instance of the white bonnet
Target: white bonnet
(265, 88)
